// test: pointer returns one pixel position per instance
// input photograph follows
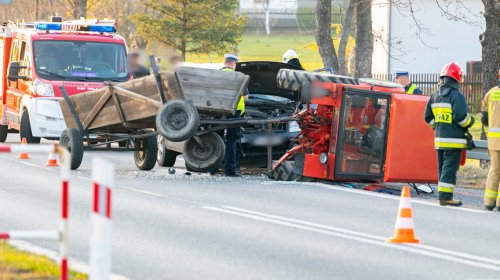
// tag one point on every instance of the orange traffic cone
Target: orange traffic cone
(52, 161)
(404, 231)
(24, 155)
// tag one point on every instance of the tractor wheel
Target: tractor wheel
(177, 120)
(25, 131)
(285, 172)
(4, 131)
(293, 79)
(205, 154)
(72, 140)
(145, 151)
(165, 157)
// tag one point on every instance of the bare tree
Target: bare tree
(78, 8)
(490, 41)
(344, 37)
(364, 38)
(323, 35)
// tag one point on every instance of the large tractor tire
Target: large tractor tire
(206, 154)
(285, 172)
(4, 131)
(294, 79)
(72, 140)
(165, 157)
(145, 152)
(25, 131)
(177, 120)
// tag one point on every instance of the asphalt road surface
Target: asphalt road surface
(176, 226)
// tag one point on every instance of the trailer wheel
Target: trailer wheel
(25, 131)
(4, 131)
(285, 172)
(205, 154)
(166, 157)
(145, 151)
(293, 79)
(177, 120)
(72, 140)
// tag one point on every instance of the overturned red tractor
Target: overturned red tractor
(357, 130)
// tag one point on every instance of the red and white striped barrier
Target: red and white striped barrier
(62, 235)
(100, 244)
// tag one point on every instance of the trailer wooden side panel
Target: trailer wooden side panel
(212, 92)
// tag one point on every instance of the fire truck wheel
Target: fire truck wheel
(293, 79)
(4, 131)
(72, 140)
(166, 157)
(145, 151)
(177, 120)
(25, 131)
(285, 172)
(205, 154)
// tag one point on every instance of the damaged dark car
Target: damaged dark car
(265, 101)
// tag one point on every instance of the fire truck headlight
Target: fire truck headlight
(323, 158)
(43, 89)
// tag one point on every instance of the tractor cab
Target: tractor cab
(360, 130)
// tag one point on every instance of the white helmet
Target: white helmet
(289, 55)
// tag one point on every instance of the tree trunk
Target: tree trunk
(490, 41)
(79, 9)
(364, 38)
(344, 38)
(323, 35)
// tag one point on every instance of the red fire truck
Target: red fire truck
(37, 58)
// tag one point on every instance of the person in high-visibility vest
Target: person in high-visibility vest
(402, 77)
(447, 114)
(491, 120)
(232, 134)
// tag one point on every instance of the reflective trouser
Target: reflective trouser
(232, 137)
(493, 183)
(448, 164)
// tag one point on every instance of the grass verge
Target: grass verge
(17, 265)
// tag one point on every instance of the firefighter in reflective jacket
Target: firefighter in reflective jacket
(447, 114)
(491, 119)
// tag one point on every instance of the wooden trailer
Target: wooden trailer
(173, 105)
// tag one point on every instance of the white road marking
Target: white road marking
(140, 191)
(375, 194)
(74, 265)
(439, 253)
(421, 246)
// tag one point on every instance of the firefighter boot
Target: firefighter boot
(490, 208)
(450, 202)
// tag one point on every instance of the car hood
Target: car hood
(263, 77)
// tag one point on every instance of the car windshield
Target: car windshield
(80, 61)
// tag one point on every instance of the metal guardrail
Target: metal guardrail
(480, 152)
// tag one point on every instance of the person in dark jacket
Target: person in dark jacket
(134, 66)
(292, 57)
(446, 113)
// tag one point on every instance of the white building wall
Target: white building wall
(380, 24)
(446, 40)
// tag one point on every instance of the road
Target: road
(176, 226)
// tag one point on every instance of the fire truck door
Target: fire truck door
(16, 89)
(362, 136)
